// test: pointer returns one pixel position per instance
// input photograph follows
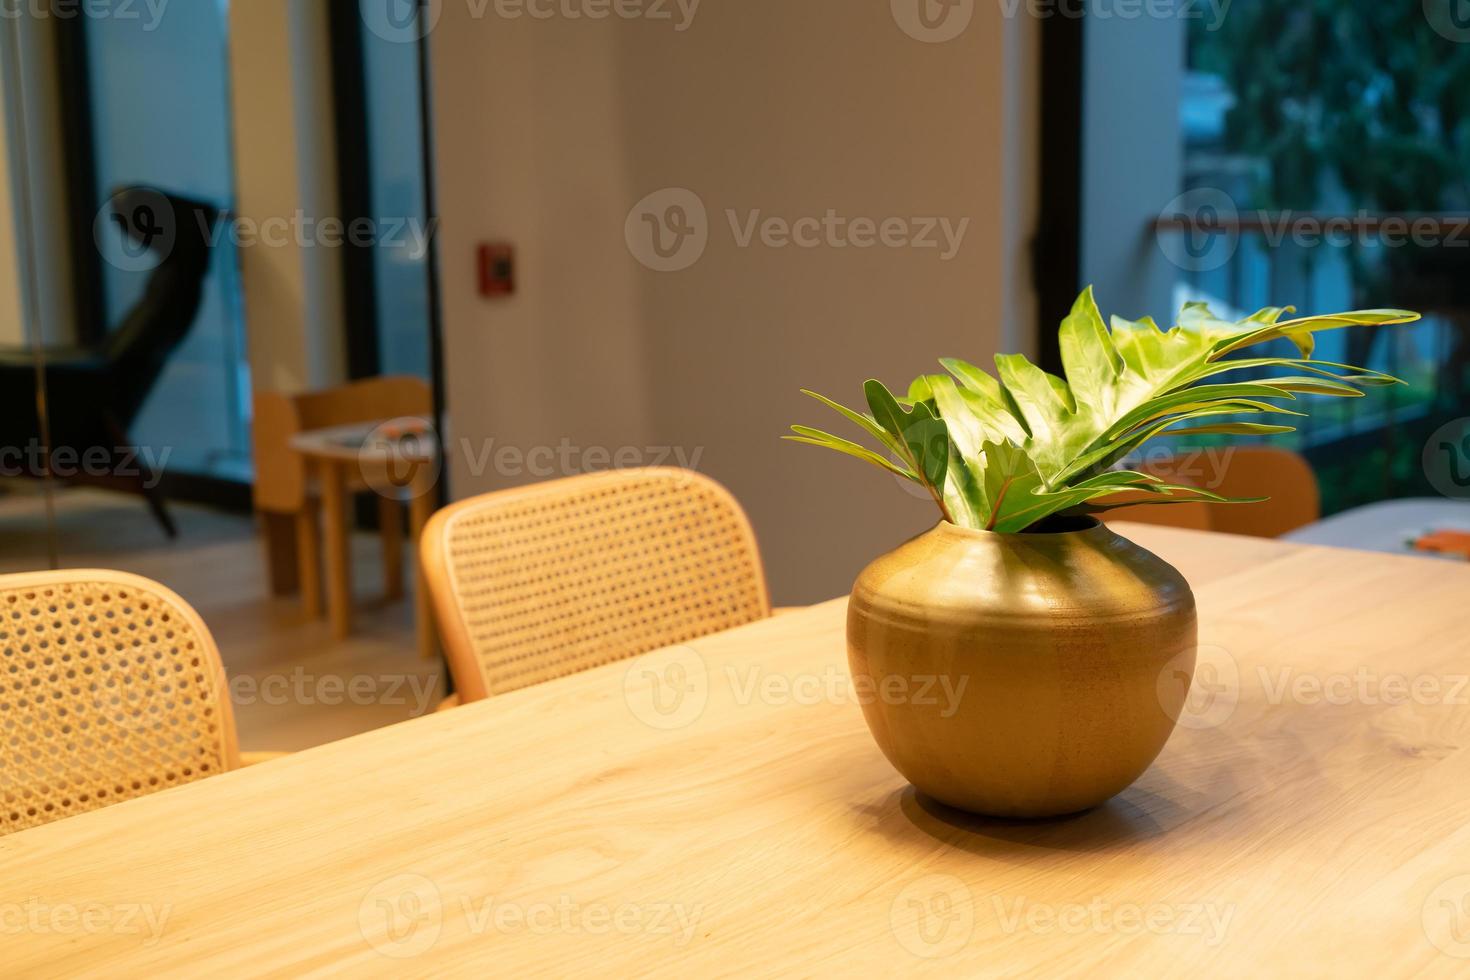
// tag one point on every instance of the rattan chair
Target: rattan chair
(110, 688)
(542, 581)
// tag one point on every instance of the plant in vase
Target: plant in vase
(1075, 646)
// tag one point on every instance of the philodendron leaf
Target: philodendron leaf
(924, 436)
(816, 437)
(1003, 452)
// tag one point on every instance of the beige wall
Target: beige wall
(285, 164)
(548, 132)
(12, 320)
(32, 108)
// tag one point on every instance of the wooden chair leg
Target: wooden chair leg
(308, 559)
(390, 526)
(338, 546)
(420, 509)
(282, 563)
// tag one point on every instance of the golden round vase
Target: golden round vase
(1021, 675)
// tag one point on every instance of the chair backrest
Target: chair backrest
(1265, 471)
(280, 474)
(1236, 471)
(543, 581)
(110, 688)
(180, 231)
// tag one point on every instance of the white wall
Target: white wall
(548, 132)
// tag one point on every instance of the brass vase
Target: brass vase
(1021, 675)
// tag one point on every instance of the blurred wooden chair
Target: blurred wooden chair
(111, 688)
(542, 581)
(285, 499)
(1241, 471)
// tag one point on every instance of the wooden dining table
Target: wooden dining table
(719, 808)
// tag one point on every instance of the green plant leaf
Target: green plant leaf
(923, 437)
(1005, 451)
(816, 437)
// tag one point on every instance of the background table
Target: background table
(1389, 525)
(342, 458)
(719, 808)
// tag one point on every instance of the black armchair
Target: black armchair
(94, 394)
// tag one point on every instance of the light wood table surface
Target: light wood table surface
(344, 459)
(720, 809)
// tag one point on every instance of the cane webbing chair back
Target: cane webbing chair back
(543, 581)
(110, 688)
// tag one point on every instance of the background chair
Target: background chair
(284, 497)
(93, 394)
(542, 581)
(1236, 471)
(111, 688)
